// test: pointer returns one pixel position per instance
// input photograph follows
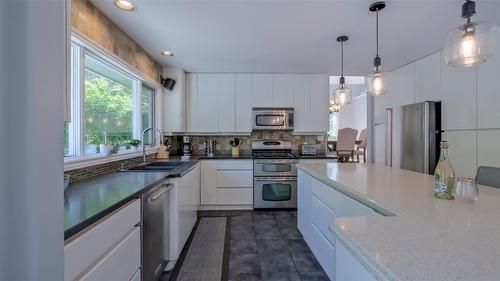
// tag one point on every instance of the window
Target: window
(110, 105)
(332, 130)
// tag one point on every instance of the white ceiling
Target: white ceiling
(275, 36)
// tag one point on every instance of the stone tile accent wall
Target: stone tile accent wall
(223, 146)
(106, 168)
(95, 25)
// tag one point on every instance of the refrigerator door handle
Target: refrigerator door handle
(426, 137)
(388, 138)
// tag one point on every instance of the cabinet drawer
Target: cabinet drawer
(234, 178)
(235, 196)
(342, 205)
(322, 218)
(324, 252)
(235, 164)
(86, 248)
(121, 263)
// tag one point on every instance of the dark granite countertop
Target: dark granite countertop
(87, 201)
(223, 157)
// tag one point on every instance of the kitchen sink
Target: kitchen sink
(158, 166)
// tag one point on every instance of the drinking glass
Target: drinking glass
(466, 190)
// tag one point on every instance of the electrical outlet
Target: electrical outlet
(320, 138)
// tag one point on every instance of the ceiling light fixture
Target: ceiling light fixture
(471, 43)
(167, 53)
(125, 5)
(342, 93)
(376, 84)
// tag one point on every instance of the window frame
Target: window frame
(83, 46)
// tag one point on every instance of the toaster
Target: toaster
(308, 149)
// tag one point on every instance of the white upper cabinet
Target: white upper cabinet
(458, 108)
(488, 94)
(227, 103)
(243, 103)
(191, 102)
(283, 90)
(319, 103)
(208, 103)
(428, 78)
(174, 109)
(302, 102)
(402, 86)
(262, 90)
(223, 103)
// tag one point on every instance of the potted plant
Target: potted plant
(135, 143)
(106, 148)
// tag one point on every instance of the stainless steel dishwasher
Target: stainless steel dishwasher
(154, 204)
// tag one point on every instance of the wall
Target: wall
(353, 115)
(32, 87)
(470, 111)
(224, 148)
(87, 19)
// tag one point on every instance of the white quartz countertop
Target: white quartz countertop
(426, 238)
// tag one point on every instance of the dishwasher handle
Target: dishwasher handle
(157, 194)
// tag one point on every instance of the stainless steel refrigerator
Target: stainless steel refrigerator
(420, 136)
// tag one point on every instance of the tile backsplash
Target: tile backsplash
(223, 147)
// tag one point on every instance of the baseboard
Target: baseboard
(224, 207)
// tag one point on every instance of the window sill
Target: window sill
(91, 160)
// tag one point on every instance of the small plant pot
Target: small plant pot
(106, 150)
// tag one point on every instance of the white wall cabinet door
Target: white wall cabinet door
(191, 102)
(262, 90)
(302, 102)
(319, 103)
(428, 78)
(227, 103)
(283, 90)
(488, 94)
(208, 103)
(174, 102)
(208, 182)
(459, 97)
(243, 116)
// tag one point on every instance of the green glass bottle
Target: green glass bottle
(444, 176)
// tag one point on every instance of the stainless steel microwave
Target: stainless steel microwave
(273, 119)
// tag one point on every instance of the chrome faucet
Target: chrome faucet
(154, 142)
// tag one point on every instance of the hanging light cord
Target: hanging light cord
(377, 33)
(342, 59)
(377, 61)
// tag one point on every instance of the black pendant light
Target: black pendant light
(342, 93)
(376, 83)
(471, 43)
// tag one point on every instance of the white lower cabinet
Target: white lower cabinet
(121, 263)
(114, 242)
(318, 206)
(226, 182)
(348, 267)
(184, 202)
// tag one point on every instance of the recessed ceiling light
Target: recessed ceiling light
(125, 5)
(167, 53)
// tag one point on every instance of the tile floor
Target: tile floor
(266, 245)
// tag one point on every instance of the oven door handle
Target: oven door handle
(275, 179)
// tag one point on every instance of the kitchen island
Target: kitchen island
(371, 222)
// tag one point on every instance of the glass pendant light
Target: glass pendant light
(334, 107)
(376, 80)
(471, 43)
(342, 93)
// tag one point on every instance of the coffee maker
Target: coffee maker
(187, 146)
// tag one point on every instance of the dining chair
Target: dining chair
(361, 148)
(489, 176)
(346, 139)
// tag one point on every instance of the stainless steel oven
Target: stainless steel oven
(273, 119)
(275, 167)
(275, 192)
